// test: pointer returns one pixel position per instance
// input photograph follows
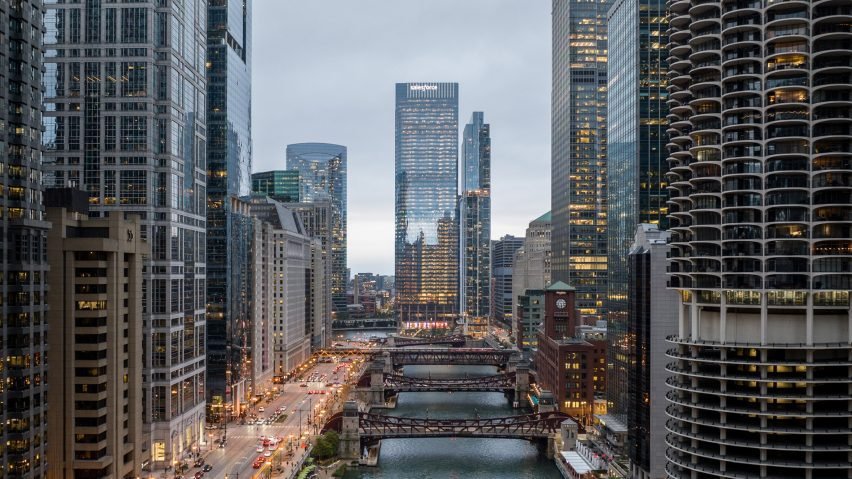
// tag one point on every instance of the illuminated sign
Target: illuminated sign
(423, 87)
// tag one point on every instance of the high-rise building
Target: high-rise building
(502, 259)
(636, 160)
(322, 171)
(761, 242)
(23, 245)
(578, 152)
(228, 176)
(426, 232)
(530, 275)
(95, 362)
(280, 185)
(475, 224)
(125, 120)
(652, 318)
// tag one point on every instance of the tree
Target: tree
(333, 440)
(322, 449)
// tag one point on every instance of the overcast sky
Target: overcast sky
(324, 71)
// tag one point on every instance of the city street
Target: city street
(235, 460)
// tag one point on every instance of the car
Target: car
(258, 449)
(256, 465)
(261, 409)
(303, 385)
(267, 453)
(250, 421)
(199, 474)
(207, 468)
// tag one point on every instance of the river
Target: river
(462, 458)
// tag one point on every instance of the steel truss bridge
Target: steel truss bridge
(430, 356)
(375, 427)
(455, 340)
(397, 383)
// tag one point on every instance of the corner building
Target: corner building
(23, 246)
(761, 178)
(125, 119)
(426, 230)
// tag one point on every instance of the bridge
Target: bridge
(403, 341)
(359, 429)
(398, 383)
(398, 357)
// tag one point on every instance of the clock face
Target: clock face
(560, 303)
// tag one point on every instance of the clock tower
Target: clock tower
(559, 314)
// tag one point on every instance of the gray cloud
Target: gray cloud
(324, 70)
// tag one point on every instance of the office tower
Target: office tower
(280, 185)
(502, 256)
(426, 231)
(284, 291)
(636, 160)
(322, 171)
(760, 215)
(475, 224)
(578, 152)
(125, 121)
(530, 275)
(228, 175)
(23, 248)
(95, 362)
(652, 318)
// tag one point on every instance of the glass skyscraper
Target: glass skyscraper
(761, 239)
(23, 247)
(322, 172)
(125, 120)
(475, 222)
(578, 152)
(636, 161)
(426, 231)
(228, 176)
(280, 185)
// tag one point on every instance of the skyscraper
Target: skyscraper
(760, 214)
(322, 171)
(636, 161)
(127, 123)
(229, 169)
(475, 222)
(502, 259)
(578, 152)
(426, 236)
(280, 185)
(23, 245)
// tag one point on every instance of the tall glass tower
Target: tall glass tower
(23, 246)
(426, 236)
(578, 152)
(322, 176)
(228, 176)
(760, 211)
(475, 222)
(636, 162)
(125, 120)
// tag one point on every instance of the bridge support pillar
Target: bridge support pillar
(569, 430)
(522, 383)
(388, 366)
(350, 436)
(377, 383)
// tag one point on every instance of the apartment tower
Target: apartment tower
(760, 210)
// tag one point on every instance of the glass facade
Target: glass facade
(280, 185)
(125, 120)
(475, 221)
(23, 247)
(228, 175)
(502, 269)
(578, 152)
(322, 171)
(426, 232)
(636, 161)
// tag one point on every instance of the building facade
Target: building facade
(23, 245)
(426, 229)
(652, 318)
(530, 272)
(502, 258)
(322, 171)
(229, 169)
(761, 244)
(636, 160)
(126, 123)
(95, 362)
(578, 152)
(475, 225)
(529, 313)
(280, 185)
